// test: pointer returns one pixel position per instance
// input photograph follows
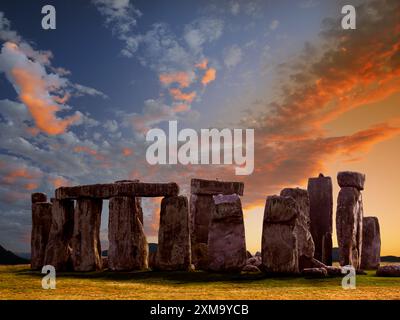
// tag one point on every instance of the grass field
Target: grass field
(18, 282)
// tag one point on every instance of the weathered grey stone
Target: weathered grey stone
(371, 244)
(138, 200)
(388, 271)
(250, 268)
(128, 248)
(349, 217)
(315, 273)
(38, 197)
(281, 210)
(321, 213)
(279, 239)
(226, 237)
(85, 243)
(127, 189)
(173, 252)
(58, 250)
(351, 179)
(104, 262)
(334, 271)
(305, 243)
(248, 254)
(199, 253)
(215, 187)
(152, 259)
(255, 261)
(41, 223)
(202, 208)
(279, 248)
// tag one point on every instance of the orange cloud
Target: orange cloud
(31, 186)
(202, 65)
(180, 107)
(19, 173)
(34, 94)
(59, 182)
(184, 79)
(127, 152)
(177, 94)
(209, 76)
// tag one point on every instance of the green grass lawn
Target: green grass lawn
(19, 282)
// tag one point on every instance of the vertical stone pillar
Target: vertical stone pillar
(226, 237)
(128, 249)
(86, 248)
(349, 218)
(321, 213)
(202, 208)
(138, 200)
(173, 251)
(305, 243)
(371, 244)
(279, 238)
(41, 222)
(58, 250)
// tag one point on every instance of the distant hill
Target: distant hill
(7, 257)
(335, 257)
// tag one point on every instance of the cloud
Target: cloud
(202, 65)
(233, 56)
(202, 31)
(184, 79)
(121, 16)
(235, 8)
(274, 24)
(209, 76)
(177, 94)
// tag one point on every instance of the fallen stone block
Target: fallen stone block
(315, 273)
(388, 271)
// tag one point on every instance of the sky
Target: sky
(76, 102)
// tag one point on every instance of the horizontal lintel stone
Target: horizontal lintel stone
(106, 191)
(215, 187)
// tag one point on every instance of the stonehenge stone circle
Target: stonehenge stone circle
(321, 216)
(41, 223)
(173, 251)
(349, 218)
(226, 236)
(371, 244)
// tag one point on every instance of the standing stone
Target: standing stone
(86, 249)
(279, 248)
(371, 244)
(305, 243)
(321, 210)
(138, 200)
(58, 250)
(173, 251)
(128, 248)
(202, 208)
(41, 223)
(226, 237)
(349, 221)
